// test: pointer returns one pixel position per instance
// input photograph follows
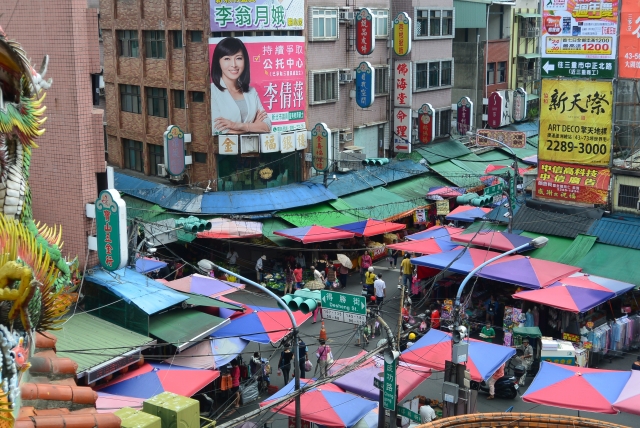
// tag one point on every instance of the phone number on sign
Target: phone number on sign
(570, 146)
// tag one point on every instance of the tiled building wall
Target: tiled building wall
(169, 16)
(71, 151)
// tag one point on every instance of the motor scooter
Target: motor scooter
(505, 387)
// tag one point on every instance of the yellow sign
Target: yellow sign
(402, 34)
(575, 121)
(580, 45)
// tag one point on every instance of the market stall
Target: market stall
(224, 228)
(467, 213)
(312, 234)
(492, 239)
(439, 232)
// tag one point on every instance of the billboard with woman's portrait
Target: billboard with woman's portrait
(258, 84)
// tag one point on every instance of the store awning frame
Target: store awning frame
(532, 55)
(184, 327)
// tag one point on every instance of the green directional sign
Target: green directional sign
(378, 383)
(343, 302)
(578, 68)
(389, 393)
(493, 190)
(403, 411)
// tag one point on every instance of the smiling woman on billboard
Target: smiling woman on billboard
(235, 106)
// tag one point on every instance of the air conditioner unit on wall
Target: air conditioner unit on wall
(346, 136)
(162, 171)
(346, 75)
(347, 16)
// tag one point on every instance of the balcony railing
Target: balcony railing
(529, 32)
(526, 74)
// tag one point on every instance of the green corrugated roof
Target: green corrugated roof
(84, 331)
(612, 262)
(483, 225)
(270, 225)
(320, 214)
(471, 14)
(183, 327)
(496, 157)
(577, 250)
(555, 248)
(443, 150)
(200, 300)
(457, 174)
(378, 203)
(416, 187)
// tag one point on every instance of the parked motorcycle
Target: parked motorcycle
(506, 386)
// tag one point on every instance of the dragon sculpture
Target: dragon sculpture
(36, 282)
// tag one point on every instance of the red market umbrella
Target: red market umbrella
(440, 193)
(438, 232)
(456, 262)
(326, 405)
(491, 168)
(311, 234)
(493, 239)
(152, 379)
(223, 228)
(568, 297)
(526, 271)
(577, 388)
(629, 399)
(467, 213)
(370, 227)
(425, 246)
(205, 285)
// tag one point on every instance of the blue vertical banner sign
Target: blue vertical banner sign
(174, 150)
(365, 84)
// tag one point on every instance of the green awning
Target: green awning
(270, 225)
(319, 214)
(613, 262)
(577, 250)
(496, 157)
(456, 174)
(200, 300)
(416, 187)
(529, 15)
(556, 247)
(531, 97)
(529, 56)
(378, 203)
(183, 327)
(84, 331)
(443, 150)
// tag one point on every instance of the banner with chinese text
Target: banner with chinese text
(403, 81)
(277, 74)
(575, 121)
(575, 183)
(243, 15)
(629, 47)
(402, 130)
(577, 30)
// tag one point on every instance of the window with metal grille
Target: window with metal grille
(324, 24)
(154, 44)
(133, 154)
(443, 122)
(156, 156)
(130, 98)
(157, 102)
(128, 43)
(382, 80)
(324, 86)
(434, 23)
(433, 75)
(628, 196)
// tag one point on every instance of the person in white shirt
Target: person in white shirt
(380, 289)
(317, 275)
(427, 414)
(260, 269)
(232, 257)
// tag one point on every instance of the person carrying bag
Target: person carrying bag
(325, 358)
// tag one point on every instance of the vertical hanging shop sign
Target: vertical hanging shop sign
(465, 115)
(365, 84)
(494, 110)
(301, 139)
(629, 46)
(365, 32)
(320, 143)
(402, 130)
(403, 84)
(402, 34)
(227, 144)
(287, 142)
(111, 224)
(270, 143)
(426, 123)
(174, 150)
(519, 112)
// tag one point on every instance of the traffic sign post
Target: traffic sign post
(407, 413)
(493, 190)
(343, 302)
(341, 316)
(378, 383)
(390, 386)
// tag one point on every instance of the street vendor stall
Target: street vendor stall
(311, 234)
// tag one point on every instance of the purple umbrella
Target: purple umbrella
(204, 285)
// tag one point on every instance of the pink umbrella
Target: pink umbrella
(629, 399)
(205, 285)
(492, 168)
(439, 193)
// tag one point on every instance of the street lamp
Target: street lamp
(459, 349)
(513, 191)
(209, 266)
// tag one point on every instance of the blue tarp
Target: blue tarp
(372, 176)
(240, 202)
(133, 287)
(145, 265)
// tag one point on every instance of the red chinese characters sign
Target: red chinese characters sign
(494, 110)
(111, 230)
(402, 84)
(365, 34)
(426, 123)
(402, 130)
(629, 46)
(465, 115)
(569, 182)
(320, 143)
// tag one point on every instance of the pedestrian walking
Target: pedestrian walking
(235, 382)
(331, 277)
(303, 356)
(285, 362)
(435, 317)
(527, 359)
(380, 289)
(407, 272)
(365, 263)
(232, 256)
(297, 276)
(260, 268)
(316, 311)
(394, 257)
(344, 274)
(325, 357)
(288, 279)
(492, 382)
(370, 278)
